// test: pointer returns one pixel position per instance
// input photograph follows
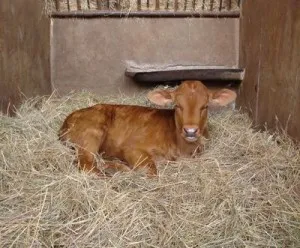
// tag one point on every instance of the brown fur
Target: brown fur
(137, 135)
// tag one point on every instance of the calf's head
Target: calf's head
(191, 100)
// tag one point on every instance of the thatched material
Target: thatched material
(243, 191)
(131, 5)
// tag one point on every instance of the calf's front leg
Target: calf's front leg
(139, 159)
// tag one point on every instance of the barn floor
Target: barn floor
(243, 191)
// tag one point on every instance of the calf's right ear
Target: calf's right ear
(160, 97)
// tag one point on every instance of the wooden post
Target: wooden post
(221, 5)
(68, 4)
(57, 5)
(211, 5)
(176, 5)
(157, 4)
(78, 4)
(99, 4)
(167, 5)
(139, 5)
(194, 4)
(229, 4)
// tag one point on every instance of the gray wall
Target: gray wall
(92, 53)
(270, 51)
(25, 51)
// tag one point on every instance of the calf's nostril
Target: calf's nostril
(190, 131)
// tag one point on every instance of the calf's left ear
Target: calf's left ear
(160, 97)
(222, 97)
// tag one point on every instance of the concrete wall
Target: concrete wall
(25, 51)
(270, 51)
(92, 53)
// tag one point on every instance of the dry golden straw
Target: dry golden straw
(243, 191)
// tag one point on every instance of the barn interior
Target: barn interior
(61, 55)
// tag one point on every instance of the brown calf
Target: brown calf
(140, 136)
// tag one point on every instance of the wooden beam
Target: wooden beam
(150, 14)
(160, 73)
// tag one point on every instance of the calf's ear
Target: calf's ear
(160, 97)
(222, 97)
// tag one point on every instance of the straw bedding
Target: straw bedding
(243, 191)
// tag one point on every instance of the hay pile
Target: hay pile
(131, 5)
(243, 191)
